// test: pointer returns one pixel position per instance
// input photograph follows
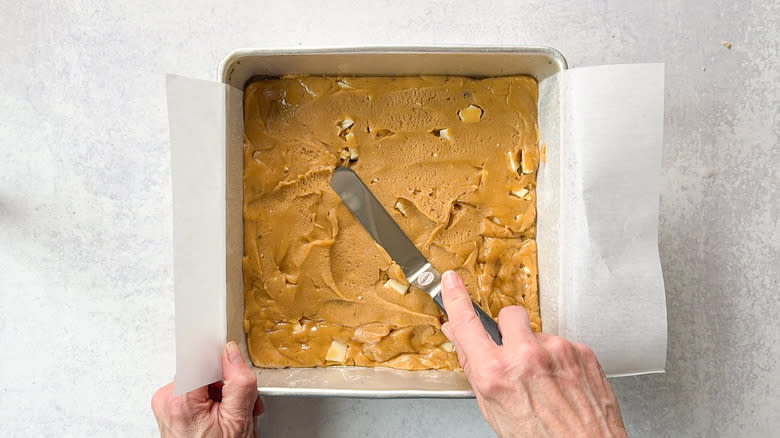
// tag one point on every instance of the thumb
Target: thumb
(239, 391)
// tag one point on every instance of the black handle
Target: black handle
(484, 318)
(488, 323)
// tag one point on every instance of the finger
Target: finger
(182, 409)
(600, 386)
(593, 372)
(514, 326)
(196, 396)
(467, 332)
(161, 398)
(259, 407)
(239, 391)
(563, 353)
(462, 358)
(571, 377)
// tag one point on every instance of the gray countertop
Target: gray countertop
(86, 298)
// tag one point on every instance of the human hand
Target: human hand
(534, 385)
(227, 409)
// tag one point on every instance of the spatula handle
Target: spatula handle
(487, 322)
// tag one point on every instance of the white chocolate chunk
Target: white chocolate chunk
(397, 286)
(346, 123)
(400, 207)
(337, 352)
(443, 133)
(527, 165)
(519, 193)
(470, 114)
(353, 153)
(513, 164)
(447, 346)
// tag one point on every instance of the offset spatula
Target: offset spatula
(370, 213)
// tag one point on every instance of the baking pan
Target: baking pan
(236, 70)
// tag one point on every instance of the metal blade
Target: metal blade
(376, 220)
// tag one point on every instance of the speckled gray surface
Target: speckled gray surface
(86, 332)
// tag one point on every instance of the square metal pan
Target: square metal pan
(243, 64)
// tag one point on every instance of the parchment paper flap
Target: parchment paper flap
(196, 116)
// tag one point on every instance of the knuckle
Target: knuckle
(245, 379)
(558, 345)
(536, 357)
(587, 355)
(491, 377)
(490, 388)
(564, 353)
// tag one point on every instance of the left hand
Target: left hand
(227, 409)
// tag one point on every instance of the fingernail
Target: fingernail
(451, 280)
(234, 354)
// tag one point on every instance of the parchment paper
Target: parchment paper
(196, 116)
(598, 213)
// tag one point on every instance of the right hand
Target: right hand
(534, 385)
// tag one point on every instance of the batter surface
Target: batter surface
(454, 162)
